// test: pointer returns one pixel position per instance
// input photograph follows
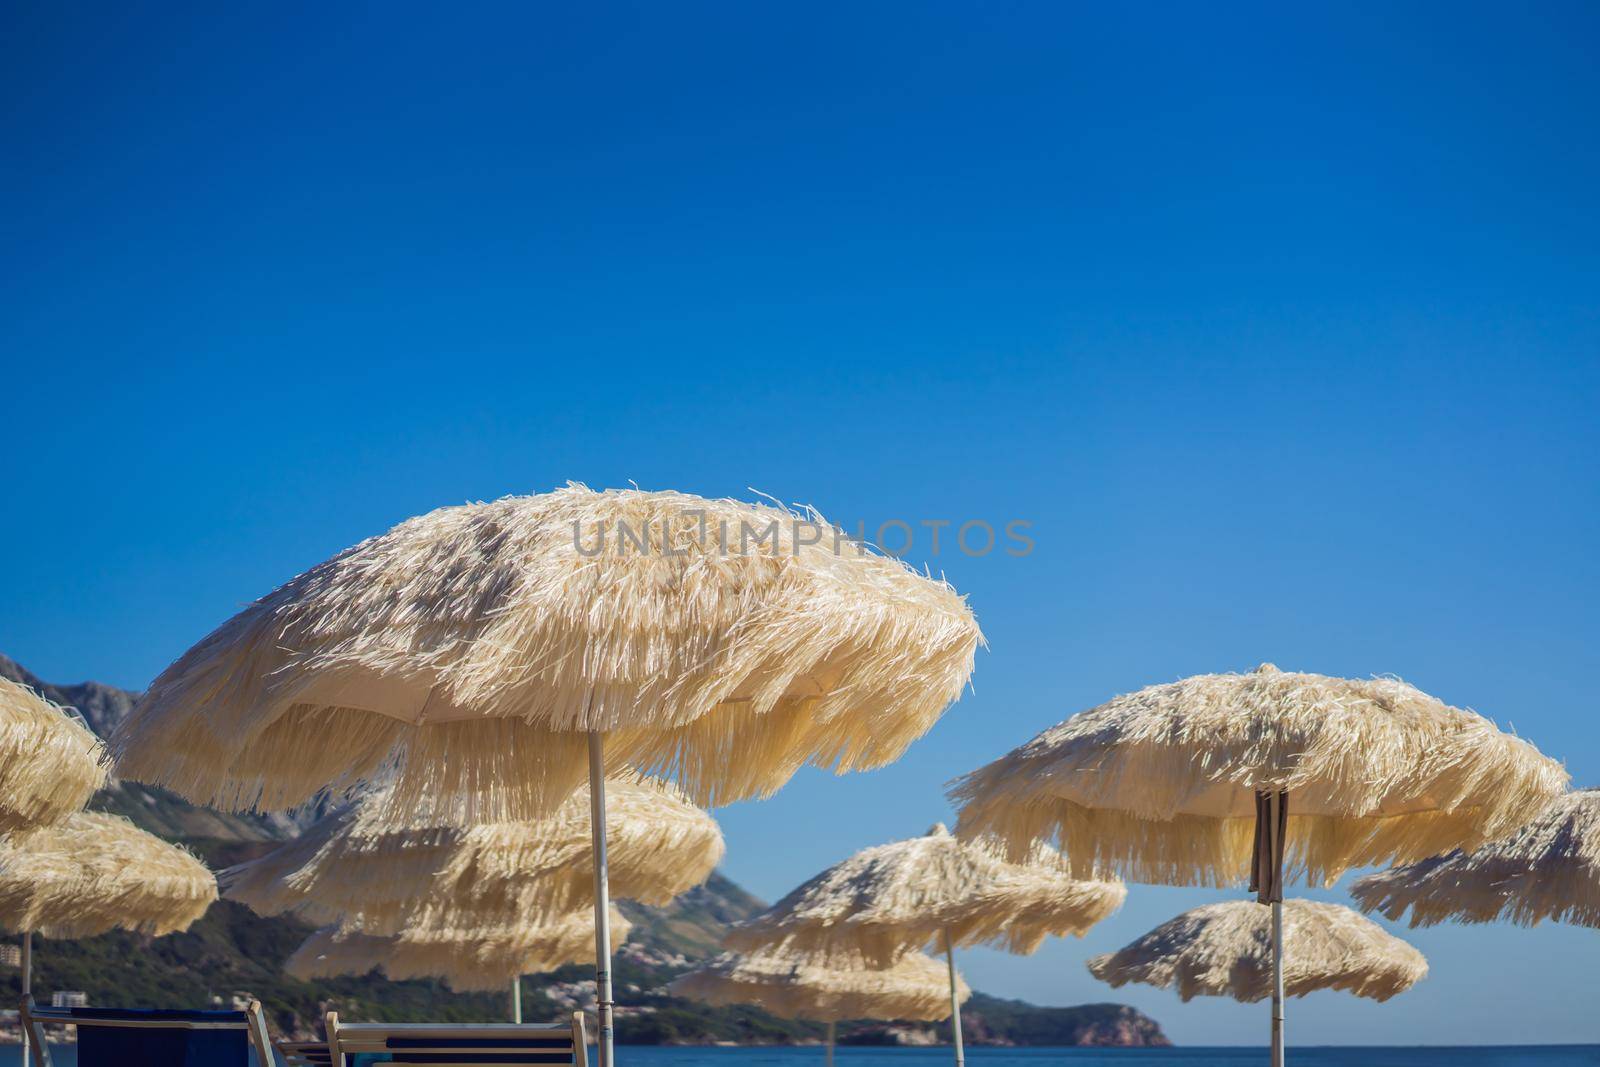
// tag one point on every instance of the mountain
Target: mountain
(992, 1021)
(165, 814)
(232, 951)
(102, 706)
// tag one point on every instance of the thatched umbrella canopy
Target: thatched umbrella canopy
(353, 867)
(50, 763)
(483, 652)
(933, 890)
(1226, 950)
(797, 987)
(478, 646)
(1161, 785)
(93, 872)
(469, 956)
(1213, 779)
(1549, 869)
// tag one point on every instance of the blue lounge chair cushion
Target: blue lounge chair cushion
(120, 1046)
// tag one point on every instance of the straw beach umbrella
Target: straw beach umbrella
(489, 653)
(916, 987)
(933, 890)
(92, 873)
(468, 955)
(353, 867)
(49, 761)
(1222, 777)
(95, 872)
(1549, 869)
(50, 765)
(1226, 950)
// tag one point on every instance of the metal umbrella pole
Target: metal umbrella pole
(1266, 880)
(27, 987)
(955, 1001)
(1277, 983)
(602, 899)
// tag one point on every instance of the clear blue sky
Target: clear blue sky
(1282, 327)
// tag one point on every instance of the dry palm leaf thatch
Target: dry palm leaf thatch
(94, 872)
(1159, 785)
(795, 987)
(50, 763)
(929, 891)
(468, 956)
(331, 872)
(1226, 950)
(659, 845)
(1549, 869)
(333, 952)
(351, 867)
(472, 648)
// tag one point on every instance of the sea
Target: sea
(857, 1056)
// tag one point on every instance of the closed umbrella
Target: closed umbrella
(50, 763)
(94, 872)
(1549, 869)
(933, 890)
(1225, 950)
(1220, 778)
(793, 986)
(489, 654)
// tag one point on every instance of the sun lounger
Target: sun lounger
(305, 1053)
(133, 1037)
(501, 1044)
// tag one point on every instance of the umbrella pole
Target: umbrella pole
(27, 987)
(955, 1000)
(1277, 983)
(602, 899)
(829, 1061)
(516, 999)
(1277, 804)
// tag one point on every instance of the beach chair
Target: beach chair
(305, 1053)
(134, 1037)
(466, 1045)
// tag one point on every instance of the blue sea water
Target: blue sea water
(1498, 1056)
(1307, 1056)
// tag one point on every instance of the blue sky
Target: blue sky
(1279, 326)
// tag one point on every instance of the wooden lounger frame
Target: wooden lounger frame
(464, 1045)
(305, 1053)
